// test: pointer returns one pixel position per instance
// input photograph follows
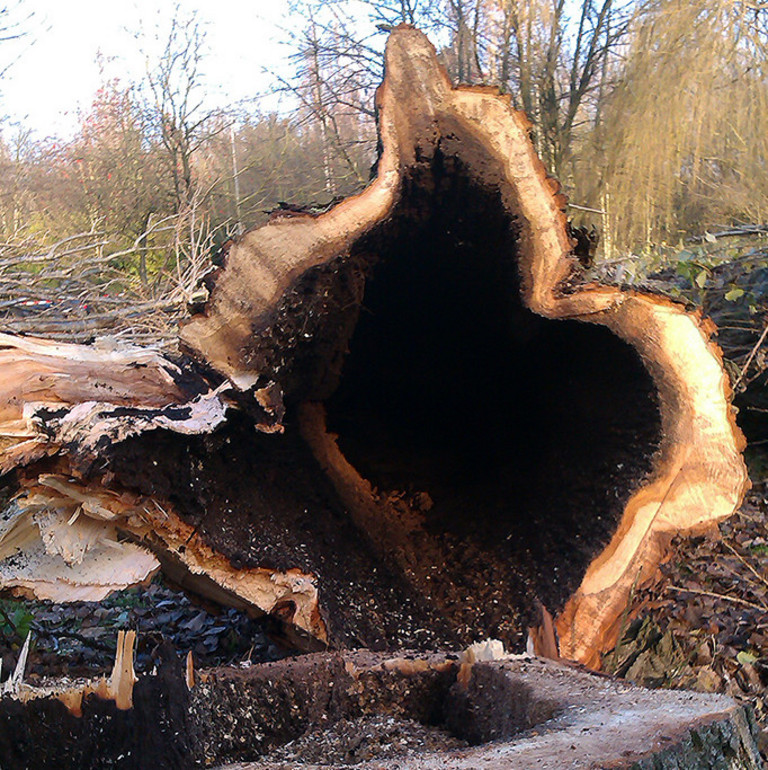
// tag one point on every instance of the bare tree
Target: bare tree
(337, 67)
(177, 109)
(14, 25)
(551, 63)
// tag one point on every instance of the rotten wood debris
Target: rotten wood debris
(405, 421)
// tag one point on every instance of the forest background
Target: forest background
(651, 113)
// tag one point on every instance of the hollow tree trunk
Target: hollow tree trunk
(406, 421)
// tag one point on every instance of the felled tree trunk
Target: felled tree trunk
(406, 421)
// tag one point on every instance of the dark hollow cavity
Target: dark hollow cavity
(528, 435)
(516, 440)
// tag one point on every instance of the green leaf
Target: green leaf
(746, 658)
(701, 279)
(23, 620)
(734, 294)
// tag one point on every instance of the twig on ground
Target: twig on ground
(760, 577)
(752, 354)
(714, 595)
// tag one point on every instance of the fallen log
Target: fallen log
(406, 421)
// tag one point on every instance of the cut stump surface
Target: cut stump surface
(510, 714)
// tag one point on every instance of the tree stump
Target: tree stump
(360, 709)
(406, 421)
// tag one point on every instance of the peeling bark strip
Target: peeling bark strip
(416, 426)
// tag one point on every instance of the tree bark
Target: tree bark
(406, 421)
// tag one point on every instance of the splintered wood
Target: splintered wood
(87, 516)
(117, 687)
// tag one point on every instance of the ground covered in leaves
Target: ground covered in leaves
(703, 624)
(79, 639)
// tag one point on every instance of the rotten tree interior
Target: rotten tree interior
(409, 423)
(508, 422)
(509, 441)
